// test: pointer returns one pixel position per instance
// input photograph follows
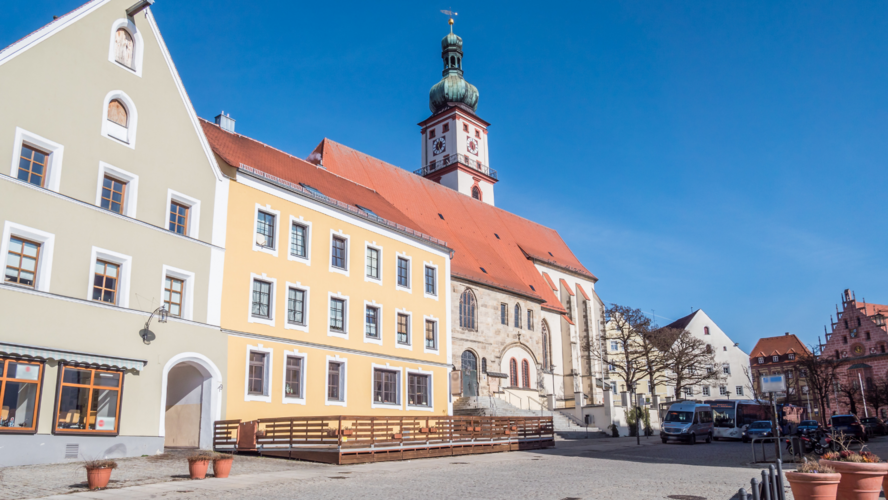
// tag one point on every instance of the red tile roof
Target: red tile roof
(566, 318)
(567, 287)
(241, 151)
(549, 281)
(778, 345)
(467, 225)
(580, 287)
(873, 309)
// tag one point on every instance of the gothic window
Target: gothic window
(517, 316)
(483, 365)
(705, 330)
(513, 373)
(525, 374)
(467, 306)
(123, 48)
(546, 362)
(476, 193)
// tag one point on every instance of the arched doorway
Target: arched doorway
(190, 401)
(469, 368)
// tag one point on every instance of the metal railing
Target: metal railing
(769, 488)
(763, 440)
(448, 160)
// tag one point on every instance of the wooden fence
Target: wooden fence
(349, 439)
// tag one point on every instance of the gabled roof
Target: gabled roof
(468, 225)
(567, 287)
(873, 309)
(779, 345)
(46, 30)
(582, 290)
(682, 323)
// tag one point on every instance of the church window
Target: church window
(483, 365)
(504, 314)
(467, 306)
(525, 374)
(858, 321)
(517, 316)
(446, 127)
(546, 362)
(452, 62)
(476, 193)
(432, 134)
(844, 340)
(513, 373)
(477, 134)
(465, 128)
(867, 335)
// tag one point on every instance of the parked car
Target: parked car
(874, 426)
(849, 425)
(808, 427)
(758, 429)
(687, 422)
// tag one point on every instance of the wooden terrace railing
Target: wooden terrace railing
(349, 439)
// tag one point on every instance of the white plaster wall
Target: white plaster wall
(725, 352)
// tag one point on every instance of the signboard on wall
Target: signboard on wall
(773, 383)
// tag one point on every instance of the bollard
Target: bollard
(773, 483)
(741, 495)
(766, 488)
(756, 491)
(781, 495)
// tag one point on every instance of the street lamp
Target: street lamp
(146, 334)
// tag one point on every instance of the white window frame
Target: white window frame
(398, 386)
(790, 356)
(346, 307)
(290, 400)
(193, 205)
(132, 119)
(343, 380)
(126, 267)
(706, 390)
(137, 46)
(424, 293)
(269, 365)
(56, 151)
(277, 229)
(775, 359)
(131, 193)
(726, 369)
(437, 335)
(409, 288)
(295, 326)
(187, 297)
(307, 225)
(409, 345)
(761, 360)
(738, 391)
(271, 303)
(44, 258)
(347, 238)
(379, 328)
(378, 248)
(722, 390)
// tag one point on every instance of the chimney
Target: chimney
(226, 122)
(787, 333)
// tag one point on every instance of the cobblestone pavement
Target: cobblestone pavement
(581, 470)
(32, 481)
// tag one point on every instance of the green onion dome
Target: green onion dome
(452, 88)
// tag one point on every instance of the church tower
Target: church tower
(454, 138)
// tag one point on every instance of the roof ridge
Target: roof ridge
(56, 20)
(287, 154)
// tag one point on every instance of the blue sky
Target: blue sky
(729, 156)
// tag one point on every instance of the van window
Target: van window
(679, 417)
(705, 417)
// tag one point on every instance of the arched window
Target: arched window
(483, 365)
(117, 123)
(469, 368)
(452, 62)
(546, 362)
(117, 112)
(513, 373)
(705, 330)
(123, 48)
(476, 193)
(517, 316)
(467, 307)
(525, 374)
(459, 62)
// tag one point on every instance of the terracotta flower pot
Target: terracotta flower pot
(198, 469)
(222, 467)
(813, 486)
(397, 436)
(860, 481)
(347, 432)
(98, 478)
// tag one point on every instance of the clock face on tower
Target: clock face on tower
(472, 145)
(439, 146)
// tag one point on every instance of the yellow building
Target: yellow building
(332, 305)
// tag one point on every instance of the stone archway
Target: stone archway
(190, 401)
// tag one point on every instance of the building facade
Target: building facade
(780, 355)
(103, 227)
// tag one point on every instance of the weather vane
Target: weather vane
(451, 14)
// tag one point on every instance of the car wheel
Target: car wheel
(745, 440)
(693, 439)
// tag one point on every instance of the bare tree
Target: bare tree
(622, 350)
(750, 382)
(690, 360)
(876, 396)
(850, 390)
(820, 374)
(655, 358)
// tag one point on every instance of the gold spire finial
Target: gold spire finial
(451, 14)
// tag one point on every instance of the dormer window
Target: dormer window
(123, 48)
(790, 357)
(775, 358)
(761, 360)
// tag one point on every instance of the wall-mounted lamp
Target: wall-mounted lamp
(146, 334)
(138, 7)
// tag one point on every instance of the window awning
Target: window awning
(98, 360)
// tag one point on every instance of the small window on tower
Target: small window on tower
(476, 193)
(465, 128)
(477, 134)
(446, 127)
(432, 134)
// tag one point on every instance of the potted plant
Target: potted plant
(814, 480)
(222, 464)
(348, 431)
(98, 473)
(862, 474)
(198, 462)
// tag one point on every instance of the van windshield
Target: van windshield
(681, 417)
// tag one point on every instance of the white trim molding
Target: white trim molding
(307, 225)
(437, 348)
(272, 299)
(409, 344)
(399, 386)
(345, 311)
(302, 383)
(193, 204)
(305, 306)
(187, 296)
(125, 271)
(138, 46)
(379, 329)
(121, 135)
(431, 388)
(265, 397)
(409, 287)
(437, 275)
(368, 245)
(53, 175)
(273, 250)
(343, 381)
(131, 193)
(43, 273)
(347, 238)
